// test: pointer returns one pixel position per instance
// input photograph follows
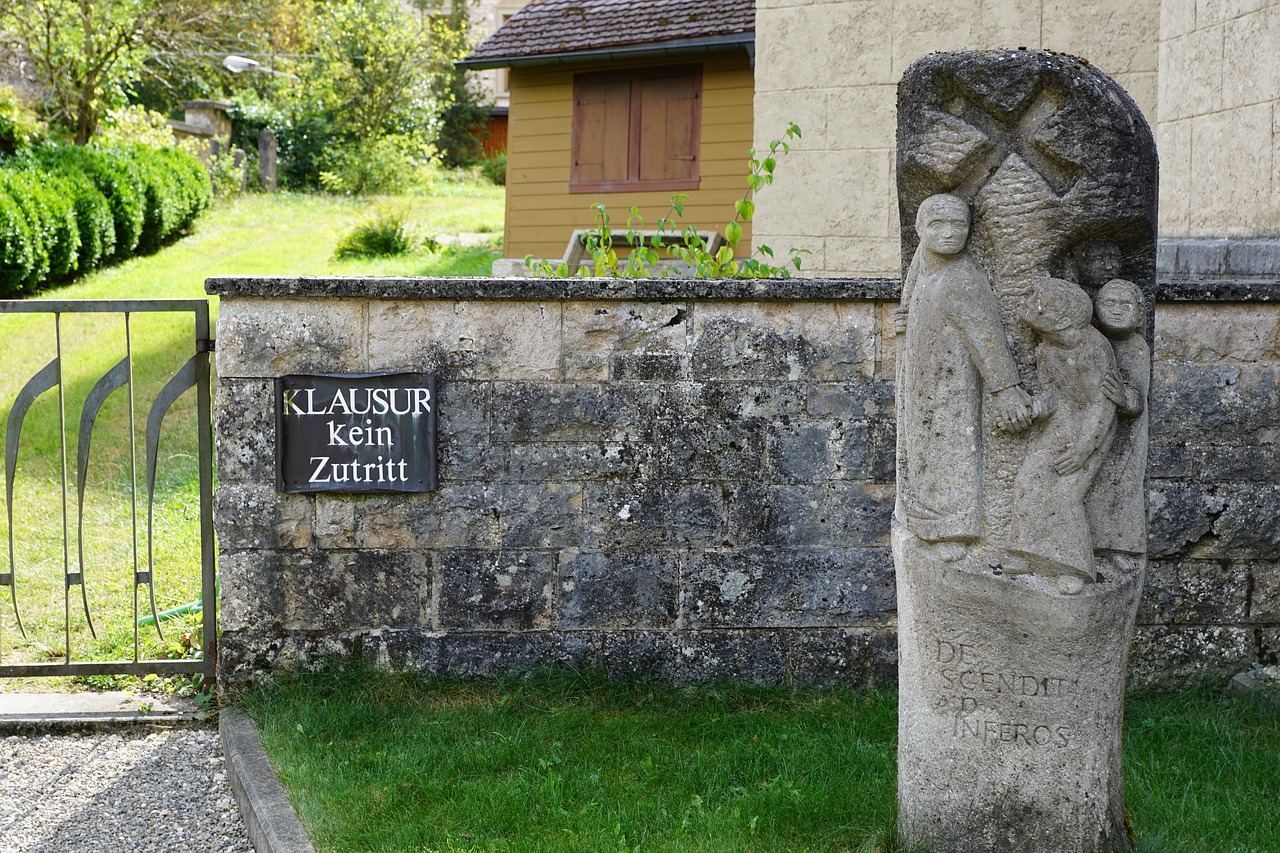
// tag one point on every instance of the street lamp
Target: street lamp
(237, 64)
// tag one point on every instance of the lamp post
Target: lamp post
(237, 64)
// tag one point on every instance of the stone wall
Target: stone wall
(1218, 122)
(833, 67)
(683, 480)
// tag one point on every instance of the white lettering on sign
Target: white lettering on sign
(390, 471)
(359, 401)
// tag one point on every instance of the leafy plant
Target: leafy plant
(684, 242)
(385, 233)
(20, 127)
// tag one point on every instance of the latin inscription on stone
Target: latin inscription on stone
(356, 433)
(970, 690)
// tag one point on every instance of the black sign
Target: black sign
(356, 433)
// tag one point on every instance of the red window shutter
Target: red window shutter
(669, 117)
(601, 118)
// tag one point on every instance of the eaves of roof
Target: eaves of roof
(675, 47)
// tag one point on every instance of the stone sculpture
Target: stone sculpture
(1027, 193)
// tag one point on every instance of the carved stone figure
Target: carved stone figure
(1116, 503)
(1073, 364)
(1027, 184)
(954, 360)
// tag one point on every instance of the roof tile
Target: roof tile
(546, 27)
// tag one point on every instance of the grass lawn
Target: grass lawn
(252, 235)
(377, 761)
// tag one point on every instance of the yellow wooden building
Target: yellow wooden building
(623, 103)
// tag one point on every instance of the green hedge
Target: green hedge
(66, 209)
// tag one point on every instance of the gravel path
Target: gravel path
(152, 790)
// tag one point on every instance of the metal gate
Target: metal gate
(134, 564)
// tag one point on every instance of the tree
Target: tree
(84, 51)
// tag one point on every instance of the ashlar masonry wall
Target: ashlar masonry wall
(681, 480)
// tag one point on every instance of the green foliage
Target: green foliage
(134, 124)
(84, 53)
(371, 166)
(385, 233)
(683, 242)
(380, 97)
(67, 209)
(495, 169)
(20, 127)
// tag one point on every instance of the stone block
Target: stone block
(1181, 515)
(1249, 526)
(1268, 645)
(858, 400)
(649, 366)
(702, 447)
(765, 341)
(465, 452)
(1176, 154)
(1227, 150)
(861, 117)
(251, 592)
(1169, 462)
(244, 431)
(733, 401)
(1264, 592)
(264, 337)
(1194, 592)
(1226, 464)
(623, 336)
(864, 256)
(1200, 404)
(525, 412)
(652, 514)
(457, 516)
(617, 590)
(352, 590)
(1246, 81)
(783, 589)
(1218, 332)
(255, 515)
(335, 521)
(755, 656)
(1191, 68)
(803, 208)
(837, 515)
(854, 37)
(476, 655)
(491, 590)
(577, 461)
(1176, 19)
(638, 655)
(882, 443)
(1115, 39)
(858, 658)
(1177, 657)
(813, 452)
(545, 515)
(477, 339)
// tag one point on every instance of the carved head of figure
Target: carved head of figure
(1120, 306)
(1056, 305)
(1097, 261)
(943, 223)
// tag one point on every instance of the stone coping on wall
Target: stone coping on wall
(1168, 289)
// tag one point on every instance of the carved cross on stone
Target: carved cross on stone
(968, 143)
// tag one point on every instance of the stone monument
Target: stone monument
(1027, 191)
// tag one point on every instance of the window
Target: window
(636, 130)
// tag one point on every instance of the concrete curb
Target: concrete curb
(269, 818)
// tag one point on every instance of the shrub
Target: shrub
(114, 177)
(372, 165)
(384, 233)
(495, 169)
(17, 251)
